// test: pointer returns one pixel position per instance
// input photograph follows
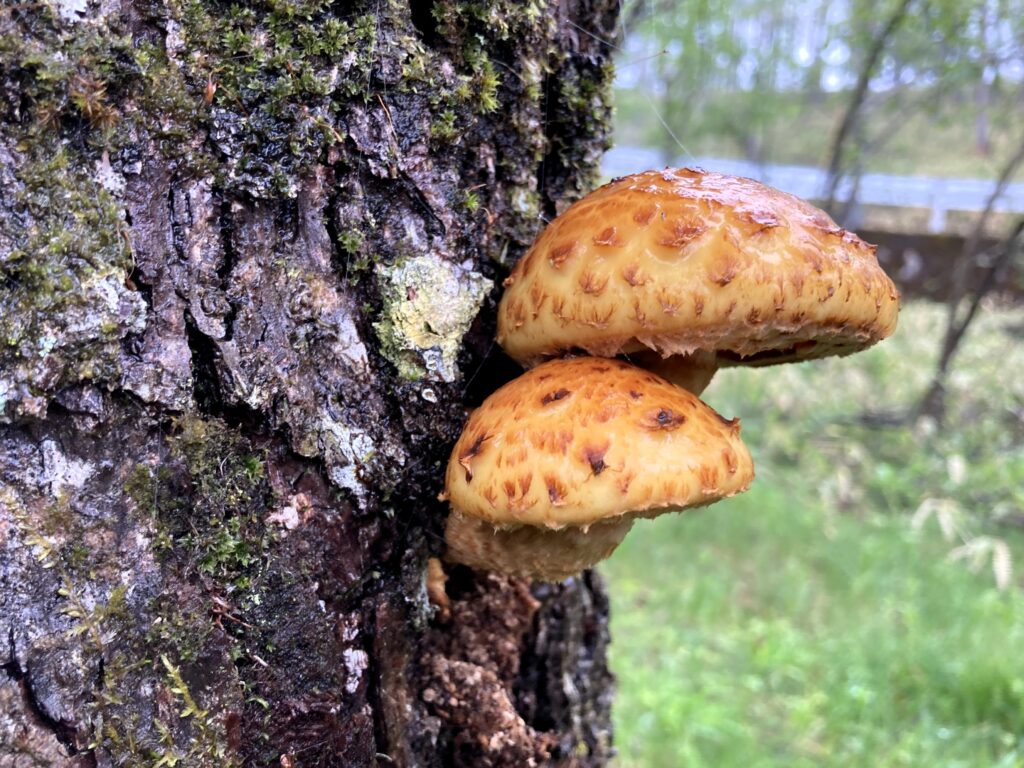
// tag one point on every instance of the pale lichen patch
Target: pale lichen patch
(350, 453)
(356, 663)
(429, 305)
(61, 471)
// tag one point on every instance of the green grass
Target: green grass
(808, 622)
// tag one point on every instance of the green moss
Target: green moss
(213, 513)
(276, 75)
(207, 506)
(417, 66)
(470, 201)
(503, 19)
(357, 257)
(487, 81)
(64, 251)
(111, 638)
(351, 241)
(208, 509)
(589, 95)
(68, 241)
(584, 105)
(64, 305)
(107, 630)
(127, 743)
(180, 106)
(445, 128)
(182, 633)
(71, 75)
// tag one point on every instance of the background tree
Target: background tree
(248, 262)
(966, 295)
(848, 131)
(708, 48)
(844, 86)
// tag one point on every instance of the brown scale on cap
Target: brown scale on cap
(607, 442)
(685, 262)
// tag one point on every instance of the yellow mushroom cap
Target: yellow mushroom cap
(684, 261)
(574, 442)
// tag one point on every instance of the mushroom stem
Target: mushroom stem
(545, 554)
(692, 372)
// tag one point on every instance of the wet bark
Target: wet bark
(249, 259)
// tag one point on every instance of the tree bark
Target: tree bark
(249, 259)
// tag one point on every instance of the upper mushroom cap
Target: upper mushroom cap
(685, 260)
(575, 441)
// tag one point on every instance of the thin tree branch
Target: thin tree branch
(933, 403)
(853, 109)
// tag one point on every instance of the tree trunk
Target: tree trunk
(249, 257)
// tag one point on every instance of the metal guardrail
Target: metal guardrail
(938, 195)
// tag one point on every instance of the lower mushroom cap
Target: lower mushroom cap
(552, 469)
(531, 551)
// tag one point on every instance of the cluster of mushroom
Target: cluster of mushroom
(682, 271)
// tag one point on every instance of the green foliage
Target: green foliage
(754, 634)
(810, 622)
(769, 79)
(709, 47)
(865, 464)
(800, 133)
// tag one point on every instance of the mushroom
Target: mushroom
(553, 468)
(686, 271)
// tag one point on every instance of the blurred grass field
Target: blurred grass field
(815, 621)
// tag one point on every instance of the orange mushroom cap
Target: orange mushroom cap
(580, 447)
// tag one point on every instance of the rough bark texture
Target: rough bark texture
(249, 255)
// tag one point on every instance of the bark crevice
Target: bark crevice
(65, 733)
(225, 231)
